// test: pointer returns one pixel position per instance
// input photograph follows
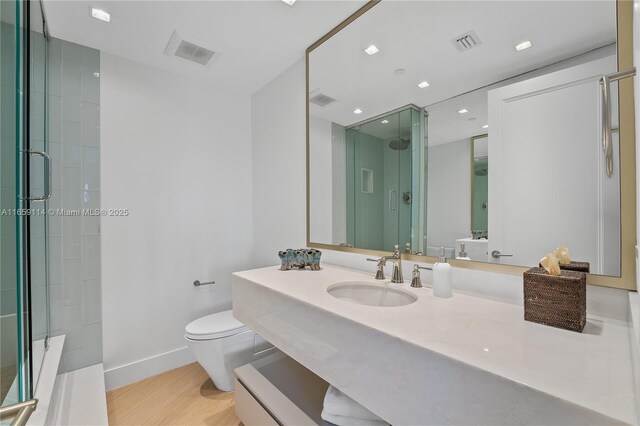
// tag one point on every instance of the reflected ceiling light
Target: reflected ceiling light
(357, 111)
(523, 45)
(289, 2)
(423, 84)
(100, 14)
(486, 126)
(463, 111)
(371, 50)
(385, 121)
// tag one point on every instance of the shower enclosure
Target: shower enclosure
(24, 194)
(386, 158)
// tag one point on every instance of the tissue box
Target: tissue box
(556, 300)
(575, 266)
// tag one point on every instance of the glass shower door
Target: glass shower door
(24, 188)
(380, 182)
(14, 368)
(39, 184)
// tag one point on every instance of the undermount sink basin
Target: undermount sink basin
(364, 293)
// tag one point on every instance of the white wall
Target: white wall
(177, 154)
(339, 177)
(449, 193)
(321, 184)
(279, 167)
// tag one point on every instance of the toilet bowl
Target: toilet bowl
(221, 344)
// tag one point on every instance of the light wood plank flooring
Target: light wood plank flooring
(7, 376)
(184, 396)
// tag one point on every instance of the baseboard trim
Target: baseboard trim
(138, 370)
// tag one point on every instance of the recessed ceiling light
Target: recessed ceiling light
(486, 126)
(371, 50)
(100, 14)
(289, 2)
(385, 121)
(523, 45)
(423, 84)
(357, 111)
(463, 111)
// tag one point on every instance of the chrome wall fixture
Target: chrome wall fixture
(19, 412)
(607, 143)
(197, 283)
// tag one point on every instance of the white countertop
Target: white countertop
(592, 369)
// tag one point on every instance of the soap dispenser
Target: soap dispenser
(442, 277)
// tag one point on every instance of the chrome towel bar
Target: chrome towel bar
(20, 412)
(198, 283)
(607, 143)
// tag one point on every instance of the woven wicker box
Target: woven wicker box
(575, 266)
(556, 300)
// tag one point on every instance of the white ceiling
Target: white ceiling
(446, 125)
(416, 36)
(257, 39)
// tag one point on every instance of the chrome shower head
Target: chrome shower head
(399, 144)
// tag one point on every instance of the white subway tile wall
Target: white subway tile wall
(74, 241)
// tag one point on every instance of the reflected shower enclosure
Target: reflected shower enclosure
(380, 184)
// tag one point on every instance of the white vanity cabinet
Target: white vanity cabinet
(277, 390)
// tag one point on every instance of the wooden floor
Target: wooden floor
(7, 376)
(184, 396)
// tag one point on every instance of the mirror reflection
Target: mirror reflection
(473, 126)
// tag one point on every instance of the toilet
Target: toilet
(221, 344)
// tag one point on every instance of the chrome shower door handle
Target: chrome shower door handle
(47, 176)
(392, 200)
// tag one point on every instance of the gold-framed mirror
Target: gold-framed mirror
(399, 96)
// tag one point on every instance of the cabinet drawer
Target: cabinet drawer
(278, 390)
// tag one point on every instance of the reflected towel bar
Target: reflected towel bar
(607, 144)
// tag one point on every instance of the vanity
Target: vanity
(417, 359)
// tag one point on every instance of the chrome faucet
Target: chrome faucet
(396, 258)
(380, 272)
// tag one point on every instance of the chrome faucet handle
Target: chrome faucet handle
(416, 282)
(380, 271)
(396, 277)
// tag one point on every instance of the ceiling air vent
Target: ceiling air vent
(466, 41)
(181, 48)
(321, 100)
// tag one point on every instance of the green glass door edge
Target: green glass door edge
(18, 203)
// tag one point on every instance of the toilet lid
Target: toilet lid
(214, 326)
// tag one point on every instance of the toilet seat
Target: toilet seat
(214, 326)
